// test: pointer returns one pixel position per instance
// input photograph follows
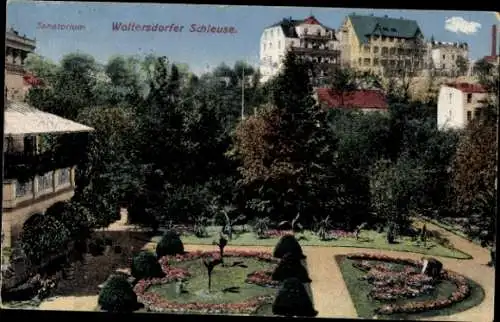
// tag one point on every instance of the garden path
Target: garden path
(330, 294)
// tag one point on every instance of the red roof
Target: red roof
(491, 59)
(369, 99)
(32, 80)
(311, 21)
(468, 87)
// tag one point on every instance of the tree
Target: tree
(210, 264)
(43, 237)
(396, 188)
(287, 153)
(345, 81)
(474, 176)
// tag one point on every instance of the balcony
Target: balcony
(14, 68)
(16, 193)
(309, 36)
(316, 51)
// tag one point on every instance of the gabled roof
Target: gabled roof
(366, 26)
(20, 118)
(288, 25)
(365, 99)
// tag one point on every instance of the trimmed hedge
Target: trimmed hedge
(117, 295)
(290, 267)
(288, 244)
(293, 300)
(170, 244)
(145, 265)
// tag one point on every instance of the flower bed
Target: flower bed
(390, 285)
(157, 303)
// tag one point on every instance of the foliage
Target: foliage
(117, 295)
(288, 244)
(323, 228)
(287, 152)
(290, 266)
(261, 226)
(228, 227)
(42, 237)
(170, 244)
(145, 265)
(292, 300)
(396, 189)
(294, 223)
(474, 179)
(200, 226)
(358, 230)
(74, 217)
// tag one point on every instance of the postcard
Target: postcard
(246, 160)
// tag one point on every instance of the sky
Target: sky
(204, 51)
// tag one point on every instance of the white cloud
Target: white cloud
(460, 25)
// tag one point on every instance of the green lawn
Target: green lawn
(454, 229)
(368, 239)
(358, 289)
(223, 277)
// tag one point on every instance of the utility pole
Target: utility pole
(243, 93)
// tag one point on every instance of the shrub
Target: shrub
(293, 300)
(117, 295)
(145, 265)
(74, 216)
(42, 237)
(290, 267)
(288, 244)
(170, 244)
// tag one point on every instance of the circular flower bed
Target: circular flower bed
(389, 284)
(157, 303)
(272, 233)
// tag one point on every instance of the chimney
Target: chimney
(494, 40)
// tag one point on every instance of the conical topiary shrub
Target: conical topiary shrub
(293, 300)
(289, 267)
(170, 244)
(288, 244)
(117, 295)
(145, 265)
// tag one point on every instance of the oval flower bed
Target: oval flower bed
(155, 302)
(415, 284)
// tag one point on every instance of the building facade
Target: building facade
(449, 59)
(17, 48)
(24, 197)
(307, 38)
(381, 44)
(458, 104)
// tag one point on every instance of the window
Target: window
(391, 39)
(384, 38)
(46, 181)
(375, 50)
(305, 31)
(477, 113)
(392, 51)
(444, 66)
(23, 189)
(452, 56)
(375, 62)
(366, 49)
(270, 45)
(29, 145)
(64, 177)
(469, 115)
(264, 47)
(279, 44)
(385, 51)
(367, 62)
(469, 98)
(444, 56)
(359, 61)
(449, 97)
